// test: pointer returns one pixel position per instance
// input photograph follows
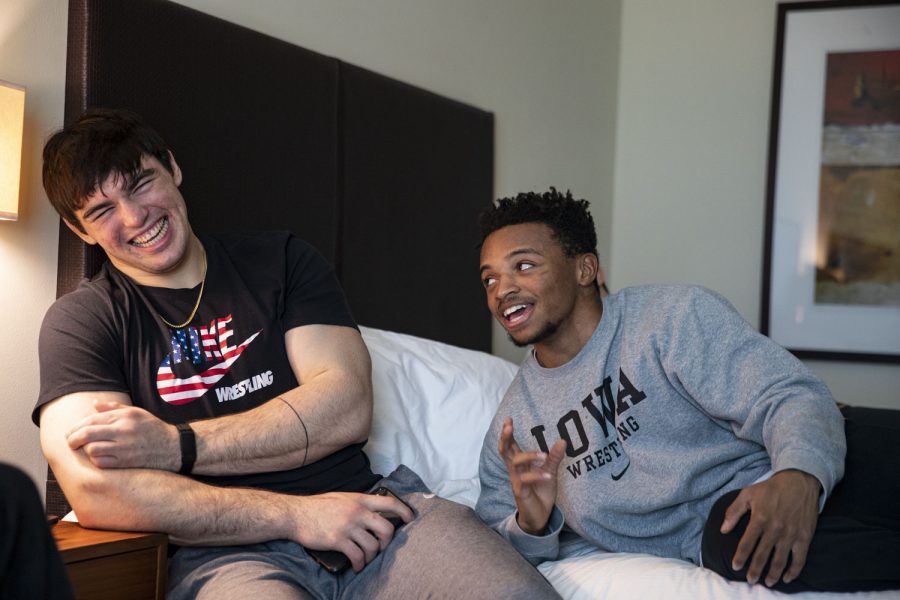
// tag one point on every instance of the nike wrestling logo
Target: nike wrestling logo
(175, 390)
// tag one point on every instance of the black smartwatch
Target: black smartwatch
(188, 448)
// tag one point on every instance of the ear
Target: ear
(176, 170)
(84, 237)
(588, 268)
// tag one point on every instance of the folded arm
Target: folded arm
(333, 401)
(192, 513)
(330, 409)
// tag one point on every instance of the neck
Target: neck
(572, 335)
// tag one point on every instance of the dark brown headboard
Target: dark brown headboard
(385, 179)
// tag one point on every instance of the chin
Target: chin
(545, 333)
(515, 341)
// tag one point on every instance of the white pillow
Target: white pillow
(433, 405)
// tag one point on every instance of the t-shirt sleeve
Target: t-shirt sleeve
(313, 295)
(77, 352)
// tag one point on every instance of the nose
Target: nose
(505, 286)
(133, 213)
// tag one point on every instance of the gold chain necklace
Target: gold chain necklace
(197, 305)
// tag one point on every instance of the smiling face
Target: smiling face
(140, 222)
(533, 289)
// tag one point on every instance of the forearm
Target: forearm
(298, 427)
(497, 508)
(191, 513)
(330, 409)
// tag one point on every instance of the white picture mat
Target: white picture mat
(795, 320)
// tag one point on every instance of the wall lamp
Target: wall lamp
(12, 122)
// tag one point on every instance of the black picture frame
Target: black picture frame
(816, 300)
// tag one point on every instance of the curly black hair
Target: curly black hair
(570, 219)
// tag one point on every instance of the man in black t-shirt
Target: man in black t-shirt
(216, 389)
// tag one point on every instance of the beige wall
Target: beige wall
(32, 54)
(690, 162)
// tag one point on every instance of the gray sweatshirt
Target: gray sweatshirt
(674, 401)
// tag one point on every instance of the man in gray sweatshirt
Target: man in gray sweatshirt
(657, 420)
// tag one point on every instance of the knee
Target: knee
(718, 548)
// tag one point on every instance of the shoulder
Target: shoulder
(261, 249)
(251, 240)
(670, 299)
(91, 301)
(239, 243)
(667, 292)
(673, 315)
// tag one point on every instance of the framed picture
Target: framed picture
(831, 277)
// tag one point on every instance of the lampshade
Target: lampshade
(12, 120)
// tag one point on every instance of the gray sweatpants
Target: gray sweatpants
(446, 552)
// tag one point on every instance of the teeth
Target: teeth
(148, 238)
(513, 309)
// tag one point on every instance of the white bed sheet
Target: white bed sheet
(433, 404)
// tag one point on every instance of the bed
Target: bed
(386, 180)
(451, 384)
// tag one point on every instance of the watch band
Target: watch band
(188, 448)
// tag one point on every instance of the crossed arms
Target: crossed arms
(117, 463)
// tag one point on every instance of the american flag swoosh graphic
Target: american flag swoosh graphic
(175, 390)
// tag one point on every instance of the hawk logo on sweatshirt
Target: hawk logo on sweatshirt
(199, 347)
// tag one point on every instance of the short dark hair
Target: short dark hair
(570, 219)
(82, 155)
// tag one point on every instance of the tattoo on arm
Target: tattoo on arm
(305, 432)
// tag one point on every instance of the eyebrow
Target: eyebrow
(87, 214)
(513, 253)
(137, 179)
(131, 184)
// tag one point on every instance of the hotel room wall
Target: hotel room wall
(32, 54)
(690, 161)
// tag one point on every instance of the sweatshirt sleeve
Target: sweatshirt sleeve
(752, 385)
(497, 507)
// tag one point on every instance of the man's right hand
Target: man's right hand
(122, 436)
(532, 476)
(349, 523)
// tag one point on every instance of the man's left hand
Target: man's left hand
(783, 513)
(119, 436)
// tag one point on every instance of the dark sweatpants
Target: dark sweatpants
(856, 545)
(30, 566)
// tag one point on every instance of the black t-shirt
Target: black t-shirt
(107, 335)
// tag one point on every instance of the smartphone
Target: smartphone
(337, 562)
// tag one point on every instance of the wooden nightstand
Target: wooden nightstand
(109, 565)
